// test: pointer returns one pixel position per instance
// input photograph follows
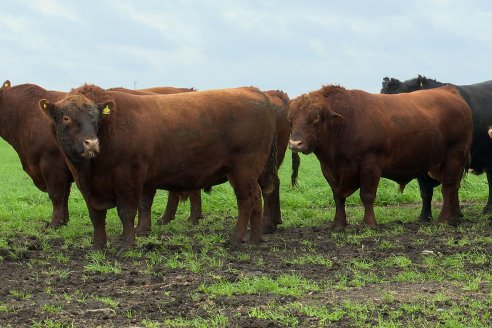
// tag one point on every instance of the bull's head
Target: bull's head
(75, 121)
(392, 86)
(309, 116)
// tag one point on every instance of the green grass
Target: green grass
(288, 285)
(313, 285)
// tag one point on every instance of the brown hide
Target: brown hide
(359, 137)
(25, 127)
(271, 198)
(151, 91)
(177, 142)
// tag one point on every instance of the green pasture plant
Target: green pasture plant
(287, 284)
(20, 295)
(99, 264)
(214, 321)
(107, 301)
(52, 308)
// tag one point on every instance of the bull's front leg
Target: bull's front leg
(98, 219)
(340, 220)
(370, 174)
(127, 212)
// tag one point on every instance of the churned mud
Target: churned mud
(43, 285)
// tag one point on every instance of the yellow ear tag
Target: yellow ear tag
(6, 85)
(45, 106)
(106, 110)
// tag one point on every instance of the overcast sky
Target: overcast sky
(295, 46)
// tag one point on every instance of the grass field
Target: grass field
(400, 274)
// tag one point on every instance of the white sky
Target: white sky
(296, 46)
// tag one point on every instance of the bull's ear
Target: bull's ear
(6, 84)
(105, 108)
(47, 107)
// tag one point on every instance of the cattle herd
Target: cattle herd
(121, 145)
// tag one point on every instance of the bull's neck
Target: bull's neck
(10, 120)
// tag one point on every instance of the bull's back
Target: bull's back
(187, 136)
(413, 131)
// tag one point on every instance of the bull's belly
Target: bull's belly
(402, 177)
(190, 180)
(402, 174)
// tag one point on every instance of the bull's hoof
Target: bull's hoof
(370, 225)
(125, 245)
(256, 239)
(487, 209)
(194, 219)
(425, 218)
(269, 228)
(55, 224)
(142, 231)
(98, 246)
(163, 221)
(336, 226)
(452, 222)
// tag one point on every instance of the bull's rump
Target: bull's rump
(192, 140)
(413, 132)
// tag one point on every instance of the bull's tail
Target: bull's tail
(296, 162)
(272, 169)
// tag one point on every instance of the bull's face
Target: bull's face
(75, 121)
(307, 118)
(310, 117)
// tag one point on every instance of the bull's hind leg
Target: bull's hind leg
(248, 195)
(196, 206)
(271, 213)
(144, 224)
(488, 207)
(58, 182)
(171, 208)
(451, 175)
(59, 199)
(426, 186)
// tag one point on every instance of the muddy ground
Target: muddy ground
(58, 290)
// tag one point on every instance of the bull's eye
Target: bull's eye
(66, 119)
(316, 119)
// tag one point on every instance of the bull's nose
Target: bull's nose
(91, 144)
(295, 144)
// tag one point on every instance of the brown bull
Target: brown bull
(360, 137)
(119, 146)
(271, 213)
(26, 128)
